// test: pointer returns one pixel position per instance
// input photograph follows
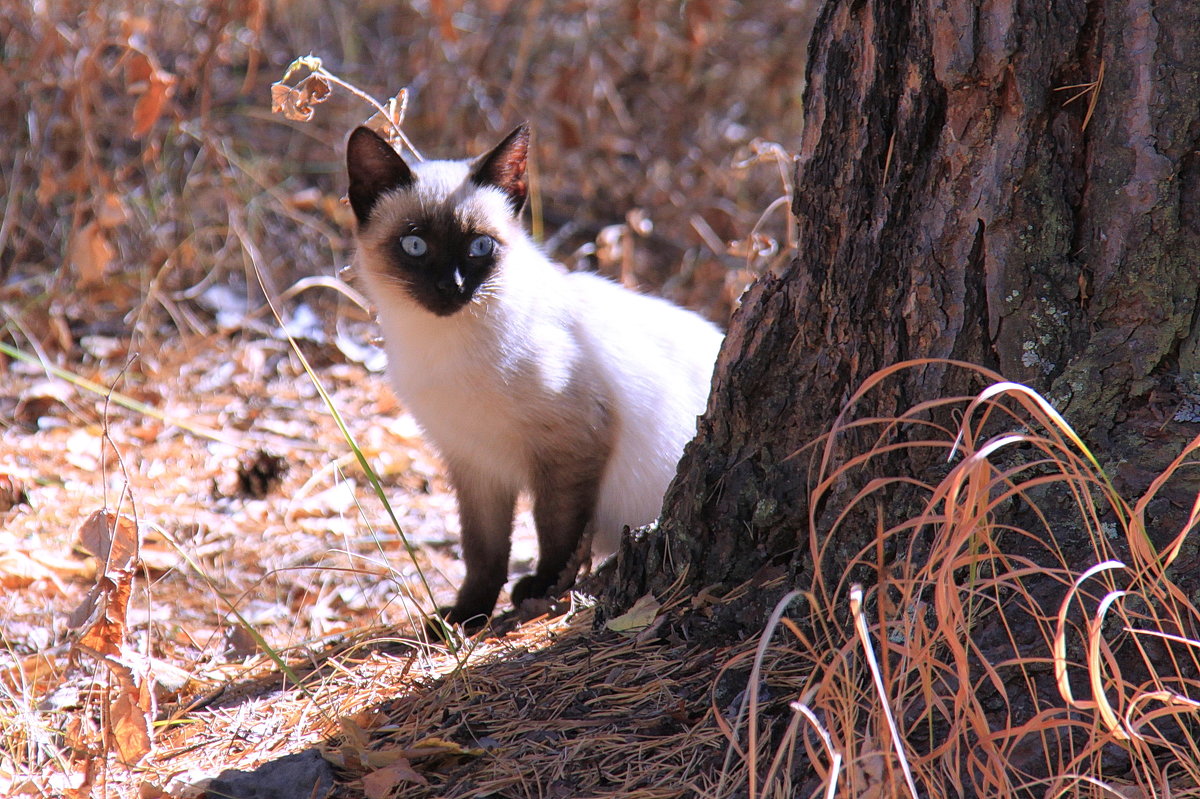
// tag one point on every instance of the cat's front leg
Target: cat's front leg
(564, 502)
(485, 510)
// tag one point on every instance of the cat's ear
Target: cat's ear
(504, 167)
(374, 169)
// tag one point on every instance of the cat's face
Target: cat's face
(437, 231)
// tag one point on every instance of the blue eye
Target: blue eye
(413, 245)
(481, 246)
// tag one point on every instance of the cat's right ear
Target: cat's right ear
(374, 169)
(505, 167)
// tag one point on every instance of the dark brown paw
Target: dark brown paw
(435, 626)
(531, 586)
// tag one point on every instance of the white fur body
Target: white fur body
(540, 358)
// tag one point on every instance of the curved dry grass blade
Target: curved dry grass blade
(864, 636)
(755, 676)
(835, 757)
(1096, 672)
(1060, 637)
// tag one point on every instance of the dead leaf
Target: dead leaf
(379, 783)
(34, 674)
(84, 446)
(47, 398)
(132, 710)
(638, 617)
(131, 719)
(114, 541)
(297, 103)
(240, 643)
(307, 199)
(154, 85)
(111, 211)
(429, 747)
(90, 254)
(333, 501)
(12, 493)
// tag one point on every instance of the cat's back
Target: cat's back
(657, 360)
(643, 334)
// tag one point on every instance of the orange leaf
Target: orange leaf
(131, 713)
(379, 784)
(114, 541)
(155, 85)
(90, 254)
(18, 570)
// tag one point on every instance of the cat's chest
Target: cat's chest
(472, 396)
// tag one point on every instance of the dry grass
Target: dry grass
(1008, 667)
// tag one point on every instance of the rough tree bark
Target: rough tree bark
(951, 204)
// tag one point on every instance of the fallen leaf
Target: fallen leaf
(638, 617)
(379, 783)
(307, 199)
(34, 674)
(331, 502)
(12, 493)
(90, 254)
(84, 448)
(47, 398)
(18, 570)
(428, 747)
(111, 212)
(240, 643)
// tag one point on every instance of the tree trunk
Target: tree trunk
(952, 201)
(1011, 185)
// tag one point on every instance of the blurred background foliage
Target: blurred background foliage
(140, 164)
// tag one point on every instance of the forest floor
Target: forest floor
(261, 542)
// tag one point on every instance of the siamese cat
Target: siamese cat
(523, 376)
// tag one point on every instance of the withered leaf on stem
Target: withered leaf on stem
(114, 540)
(297, 103)
(131, 712)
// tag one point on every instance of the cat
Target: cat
(523, 376)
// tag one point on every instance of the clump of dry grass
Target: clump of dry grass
(1014, 649)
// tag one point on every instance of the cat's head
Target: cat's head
(438, 230)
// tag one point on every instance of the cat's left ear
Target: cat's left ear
(505, 167)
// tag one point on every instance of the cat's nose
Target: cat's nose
(451, 284)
